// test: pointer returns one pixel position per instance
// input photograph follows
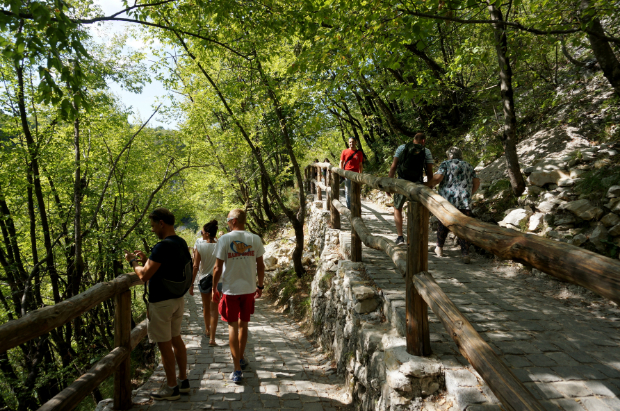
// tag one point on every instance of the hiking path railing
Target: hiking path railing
(569, 263)
(117, 362)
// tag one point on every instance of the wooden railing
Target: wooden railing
(573, 264)
(42, 321)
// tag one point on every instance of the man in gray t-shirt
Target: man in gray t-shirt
(424, 160)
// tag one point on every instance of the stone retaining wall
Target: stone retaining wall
(363, 328)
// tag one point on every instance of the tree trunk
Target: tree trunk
(509, 134)
(77, 203)
(602, 50)
(265, 192)
(38, 191)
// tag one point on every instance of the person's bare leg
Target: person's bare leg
(168, 361)
(206, 311)
(213, 322)
(180, 353)
(233, 341)
(398, 219)
(243, 337)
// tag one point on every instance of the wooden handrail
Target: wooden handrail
(43, 320)
(71, 396)
(397, 254)
(567, 262)
(321, 186)
(504, 384)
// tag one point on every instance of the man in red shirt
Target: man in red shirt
(351, 159)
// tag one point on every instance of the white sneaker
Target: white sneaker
(439, 251)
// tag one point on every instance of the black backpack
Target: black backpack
(180, 287)
(411, 162)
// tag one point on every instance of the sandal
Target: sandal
(212, 343)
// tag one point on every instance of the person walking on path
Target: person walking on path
(411, 160)
(457, 181)
(169, 261)
(351, 159)
(204, 261)
(239, 261)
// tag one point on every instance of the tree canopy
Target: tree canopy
(260, 89)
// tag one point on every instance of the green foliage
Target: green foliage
(262, 90)
(598, 180)
(498, 187)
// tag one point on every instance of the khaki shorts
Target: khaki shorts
(165, 319)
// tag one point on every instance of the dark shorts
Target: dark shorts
(399, 201)
(208, 290)
(233, 308)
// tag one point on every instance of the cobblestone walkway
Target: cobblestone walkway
(567, 355)
(286, 372)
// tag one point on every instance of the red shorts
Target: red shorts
(235, 307)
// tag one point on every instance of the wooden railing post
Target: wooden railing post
(306, 180)
(356, 211)
(418, 337)
(122, 338)
(328, 190)
(335, 195)
(319, 194)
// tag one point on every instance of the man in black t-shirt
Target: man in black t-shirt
(165, 312)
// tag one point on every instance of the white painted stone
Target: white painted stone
(536, 222)
(548, 206)
(515, 218)
(271, 263)
(613, 192)
(614, 205)
(540, 178)
(565, 182)
(584, 209)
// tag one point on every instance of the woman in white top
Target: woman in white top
(204, 260)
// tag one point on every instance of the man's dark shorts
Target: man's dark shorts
(399, 201)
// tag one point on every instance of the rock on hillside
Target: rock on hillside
(553, 145)
(571, 196)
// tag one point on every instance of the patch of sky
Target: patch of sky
(154, 93)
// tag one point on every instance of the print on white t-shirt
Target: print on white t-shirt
(239, 250)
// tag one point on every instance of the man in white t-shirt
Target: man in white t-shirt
(239, 261)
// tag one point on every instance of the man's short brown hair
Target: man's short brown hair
(419, 136)
(162, 214)
(239, 214)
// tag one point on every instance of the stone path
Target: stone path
(568, 356)
(286, 372)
